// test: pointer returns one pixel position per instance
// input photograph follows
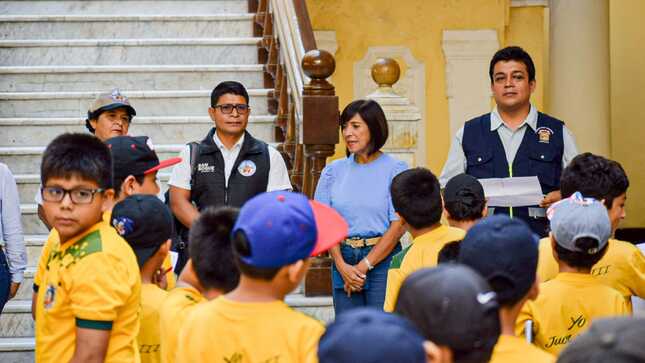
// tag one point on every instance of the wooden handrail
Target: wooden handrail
(304, 23)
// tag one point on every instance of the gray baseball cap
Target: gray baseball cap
(577, 217)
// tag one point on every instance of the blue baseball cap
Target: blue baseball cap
(367, 335)
(504, 251)
(283, 227)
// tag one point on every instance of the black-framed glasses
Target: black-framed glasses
(77, 195)
(227, 108)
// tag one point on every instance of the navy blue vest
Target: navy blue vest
(208, 186)
(540, 154)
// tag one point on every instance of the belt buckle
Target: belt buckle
(356, 242)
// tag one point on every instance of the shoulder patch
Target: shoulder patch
(397, 259)
(87, 245)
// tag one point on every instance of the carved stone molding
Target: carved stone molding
(467, 54)
(525, 3)
(411, 88)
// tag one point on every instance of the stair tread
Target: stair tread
(125, 17)
(44, 121)
(129, 93)
(8, 344)
(132, 68)
(127, 42)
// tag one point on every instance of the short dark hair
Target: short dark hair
(232, 87)
(580, 259)
(512, 53)
(594, 176)
(242, 247)
(118, 182)
(461, 211)
(77, 154)
(210, 248)
(449, 252)
(416, 196)
(372, 113)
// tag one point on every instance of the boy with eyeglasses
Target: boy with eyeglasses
(229, 166)
(87, 306)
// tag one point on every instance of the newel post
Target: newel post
(319, 137)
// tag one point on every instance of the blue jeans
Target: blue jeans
(5, 280)
(373, 293)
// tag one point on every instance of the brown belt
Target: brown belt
(361, 242)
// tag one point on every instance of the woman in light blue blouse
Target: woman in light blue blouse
(358, 187)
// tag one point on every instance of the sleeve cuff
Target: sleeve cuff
(93, 324)
(17, 277)
(35, 287)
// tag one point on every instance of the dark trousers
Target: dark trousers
(5, 280)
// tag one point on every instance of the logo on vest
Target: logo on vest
(247, 168)
(205, 168)
(50, 297)
(544, 134)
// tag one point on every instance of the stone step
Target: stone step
(26, 159)
(34, 244)
(146, 102)
(160, 129)
(17, 350)
(98, 7)
(16, 319)
(129, 51)
(157, 77)
(125, 26)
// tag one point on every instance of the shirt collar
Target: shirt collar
(220, 144)
(531, 119)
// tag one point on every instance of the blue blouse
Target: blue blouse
(361, 193)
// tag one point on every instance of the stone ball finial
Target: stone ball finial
(318, 64)
(386, 72)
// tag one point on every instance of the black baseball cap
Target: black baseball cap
(463, 188)
(616, 340)
(453, 306)
(367, 335)
(504, 251)
(144, 222)
(135, 156)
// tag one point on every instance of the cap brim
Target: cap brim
(144, 254)
(330, 225)
(164, 164)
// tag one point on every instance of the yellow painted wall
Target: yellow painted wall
(627, 67)
(526, 28)
(418, 25)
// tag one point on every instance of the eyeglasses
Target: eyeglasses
(227, 108)
(78, 195)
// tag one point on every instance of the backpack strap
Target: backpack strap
(194, 152)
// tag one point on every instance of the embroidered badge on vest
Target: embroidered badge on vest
(544, 134)
(247, 168)
(205, 168)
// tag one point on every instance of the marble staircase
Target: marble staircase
(166, 56)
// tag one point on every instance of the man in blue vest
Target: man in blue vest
(514, 139)
(230, 165)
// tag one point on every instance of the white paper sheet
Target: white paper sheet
(174, 256)
(512, 192)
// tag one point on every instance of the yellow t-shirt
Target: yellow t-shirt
(149, 335)
(223, 330)
(512, 349)
(566, 306)
(91, 281)
(622, 268)
(172, 314)
(423, 252)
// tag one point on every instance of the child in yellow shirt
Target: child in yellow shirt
(209, 273)
(504, 251)
(146, 224)
(622, 267)
(416, 197)
(580, 228)
(87, 303)
(273, 237)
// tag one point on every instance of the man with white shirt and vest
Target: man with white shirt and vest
(230, 165)
(515, 139)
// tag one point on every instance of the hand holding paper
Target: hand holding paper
(512, 192)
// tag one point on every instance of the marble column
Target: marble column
(578, 82)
